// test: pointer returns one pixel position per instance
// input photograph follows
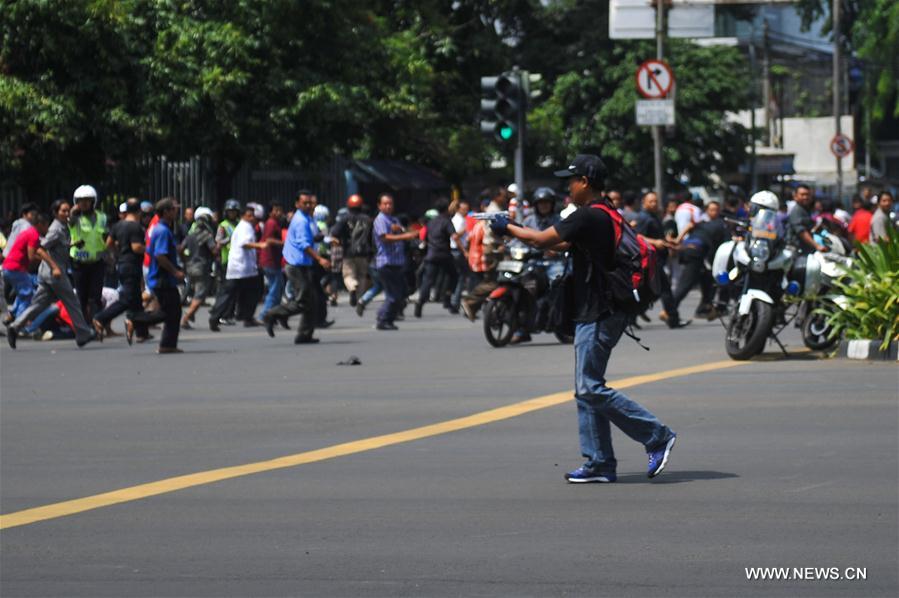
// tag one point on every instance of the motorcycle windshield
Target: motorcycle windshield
(764, 225)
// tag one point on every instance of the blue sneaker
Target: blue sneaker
(658, 458)
(584, 474)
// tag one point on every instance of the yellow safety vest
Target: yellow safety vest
(94, 236)
(226, 250)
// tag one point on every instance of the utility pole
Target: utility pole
(836, 92)
(657, 130)
(522, 125)
(868, 76)
(753, 174)
(766, 84)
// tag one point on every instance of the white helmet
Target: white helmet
(765, 199)
(321, 213)
(202, 212)
(85, 192)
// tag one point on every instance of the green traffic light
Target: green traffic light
(506, 133)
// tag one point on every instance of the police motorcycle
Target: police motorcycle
(815, 274)
(516, 303)
(766, 269)
(758, 265)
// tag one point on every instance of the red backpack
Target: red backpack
(633, 285)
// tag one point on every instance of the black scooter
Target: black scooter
(518, 304)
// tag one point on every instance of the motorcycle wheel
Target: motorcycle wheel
(499, 322)
(565, 339)
(816, 333)
(746, 335)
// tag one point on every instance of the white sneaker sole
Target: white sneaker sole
(668, 448)
(597, 480)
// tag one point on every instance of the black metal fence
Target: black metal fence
(193, 183)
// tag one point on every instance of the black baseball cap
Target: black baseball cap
(586, 165)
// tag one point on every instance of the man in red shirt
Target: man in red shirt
(860, 224)
(24, 252)
(270, 257)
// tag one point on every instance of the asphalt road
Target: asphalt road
(782, 462)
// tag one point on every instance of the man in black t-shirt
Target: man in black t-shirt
(800, 224)
(590, 235)
(439, 257)
(649, 225)
(127, 240)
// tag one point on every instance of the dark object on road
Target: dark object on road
(352, 360)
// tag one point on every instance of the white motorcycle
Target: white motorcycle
(816, 273)
(758, 265)
(766, 270)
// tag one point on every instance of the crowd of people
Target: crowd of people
(72, 272)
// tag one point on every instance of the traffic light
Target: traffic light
(502, 106)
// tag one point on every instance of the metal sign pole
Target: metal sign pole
(836, 93)
(522, 125)
(657, 130)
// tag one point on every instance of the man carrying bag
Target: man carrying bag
(590, 235)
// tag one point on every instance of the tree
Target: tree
(870, 28)
(591, 106)
(89, 83)
(70, 90)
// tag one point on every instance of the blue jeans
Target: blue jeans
(374, 289)
(36, 323)
(23, 283)
(274, 278)
(598, 405)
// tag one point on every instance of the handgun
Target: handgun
(490, 215)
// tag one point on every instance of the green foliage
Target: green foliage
(869, 28)
(70, 88)
(593, 108)
(88, 83)
(876, 35)
(870, 288)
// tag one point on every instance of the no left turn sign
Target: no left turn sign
(654, 79)
(841, 146)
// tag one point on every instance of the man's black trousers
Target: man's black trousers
(304, 301)
(129, 302)
(239, 292)
(89, 286)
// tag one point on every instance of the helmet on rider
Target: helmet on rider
(544, 194)
(232, 204)
(202, 212)
(765, 199)
(85, 192)
(321, 213)
(354, 201)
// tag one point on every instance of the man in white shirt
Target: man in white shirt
(241, 274)
(685, 214)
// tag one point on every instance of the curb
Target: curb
(869, 350)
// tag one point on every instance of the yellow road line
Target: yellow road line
(88, 503)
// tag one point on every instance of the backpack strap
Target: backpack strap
(629, 331)
(616, 218)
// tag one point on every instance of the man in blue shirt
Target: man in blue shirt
(163, 276)
(300, 255)
(390, 259)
